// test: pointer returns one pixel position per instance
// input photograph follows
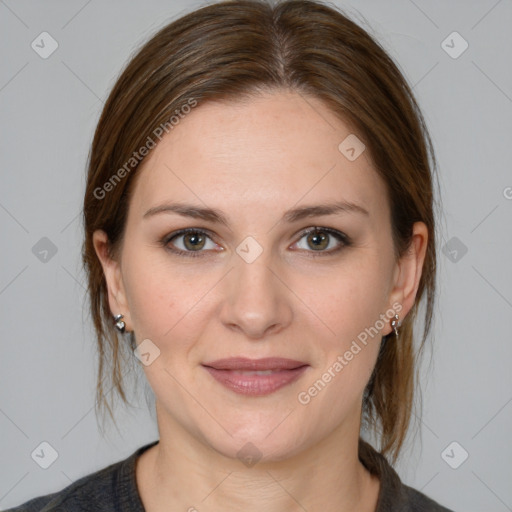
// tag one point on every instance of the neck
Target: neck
(183, 472)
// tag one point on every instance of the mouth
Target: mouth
(255, 377)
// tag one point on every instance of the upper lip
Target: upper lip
(243, 363)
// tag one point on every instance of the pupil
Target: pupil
(318, 239)
(194, 240)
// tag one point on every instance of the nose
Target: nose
(256, 302)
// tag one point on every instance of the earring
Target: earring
(395, 324)
(119, 324)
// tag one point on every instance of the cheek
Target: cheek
(354, 298)
(347, 359)
(167, 301)
(353, 305)
(151, 302)
(152, 292)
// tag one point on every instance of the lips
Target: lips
(242, 363)
(255, 377)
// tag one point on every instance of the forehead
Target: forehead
(265, 152)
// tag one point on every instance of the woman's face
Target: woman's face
(257, 284)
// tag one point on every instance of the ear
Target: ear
(408, 272)
(112, 271)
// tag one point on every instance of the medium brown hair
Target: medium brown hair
(237, 48)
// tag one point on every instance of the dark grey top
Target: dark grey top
(114, 489)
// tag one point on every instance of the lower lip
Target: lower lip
(255, 385)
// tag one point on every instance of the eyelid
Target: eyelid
(343, 238)
(335, 232)
(181, 232)
(339, 235)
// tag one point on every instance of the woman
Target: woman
(259, 231)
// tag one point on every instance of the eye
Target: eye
(320, 239)
(192, 241)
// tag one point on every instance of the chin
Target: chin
(267, 441)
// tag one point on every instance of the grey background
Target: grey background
(49, 108)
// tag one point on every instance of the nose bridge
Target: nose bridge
(256, 300)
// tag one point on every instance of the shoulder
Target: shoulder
(109, 489)
(394, 496)
(414, 500)
(87, 492)
(36, 504)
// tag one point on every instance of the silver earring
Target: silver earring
(395, 324)
(119, 324)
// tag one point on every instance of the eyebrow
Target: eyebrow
(293, 215)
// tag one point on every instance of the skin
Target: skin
(253, 160)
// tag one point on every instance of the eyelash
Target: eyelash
(341, 237)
